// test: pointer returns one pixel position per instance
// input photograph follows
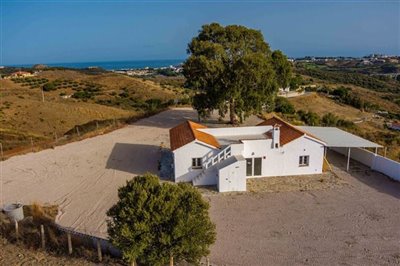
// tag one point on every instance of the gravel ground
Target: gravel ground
(354, 224)
(83, 177)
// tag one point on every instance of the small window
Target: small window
(276, 145)
(304, 160)
(196, 163)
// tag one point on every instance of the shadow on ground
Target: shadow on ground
(136, 159)
(366, 175)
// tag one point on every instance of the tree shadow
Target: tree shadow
(364, 174)
(134, 158)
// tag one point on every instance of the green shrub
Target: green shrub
(49, 87)
(153, 222)
(282, 105)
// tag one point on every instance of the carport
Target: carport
(337, 138)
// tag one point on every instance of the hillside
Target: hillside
(366, 124)
(73, 98)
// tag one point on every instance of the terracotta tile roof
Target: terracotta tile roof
(288, 132)
(187, 132)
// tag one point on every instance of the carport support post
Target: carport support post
(348, 159)
(69, 243)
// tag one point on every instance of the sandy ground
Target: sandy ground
(83, 177)
(355, 224)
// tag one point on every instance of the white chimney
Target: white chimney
(276, 135)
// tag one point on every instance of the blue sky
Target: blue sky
(78, 31)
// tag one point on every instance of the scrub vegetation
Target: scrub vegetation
(49, 106)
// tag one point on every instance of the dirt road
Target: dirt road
(357, 224)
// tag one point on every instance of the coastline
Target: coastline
(111, 65)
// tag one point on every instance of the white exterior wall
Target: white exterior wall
(183, 160)
(285, 160)
(275, 162)
(232, 177)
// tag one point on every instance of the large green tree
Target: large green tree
(234, 70)
(153, 222)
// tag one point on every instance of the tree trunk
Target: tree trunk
(133, 263)
(171, 261)
(232, 114)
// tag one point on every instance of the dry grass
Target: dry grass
(25, 118)
(322, 105)
(112, 82)
(27, 249)
(365, 94)
(372, 128)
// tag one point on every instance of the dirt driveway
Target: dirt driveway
(83, 177)
(357, 224)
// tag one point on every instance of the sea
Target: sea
(116, 65)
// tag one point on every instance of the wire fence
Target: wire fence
(23, 145)
(49, 236)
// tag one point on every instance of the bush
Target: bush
(82, 95)
(329, 119)
(282, 105)
(49, 86)
(309, 118)
(153, 222)
(153, 104)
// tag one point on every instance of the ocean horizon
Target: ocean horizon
(112, 65)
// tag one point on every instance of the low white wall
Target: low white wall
(388, 167)
(376, 162)
(232, 177)
(360, 155)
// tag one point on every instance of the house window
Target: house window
(196, 163)
(304, 160)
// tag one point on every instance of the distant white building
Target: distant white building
(226, 157)
(20, 74)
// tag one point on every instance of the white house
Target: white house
(226, 157)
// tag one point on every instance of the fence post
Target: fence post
(55, 137)
(42, 236)
(208, 261)
(77, 131)
(97, 125)
(32, 143)
(16, 230)
(69, 243)
(99, 251)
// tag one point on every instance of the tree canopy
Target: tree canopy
(153, 222)
(234, 70)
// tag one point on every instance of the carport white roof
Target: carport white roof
(335, 137)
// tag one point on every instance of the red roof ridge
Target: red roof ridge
(288, 134)
(187, 132)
